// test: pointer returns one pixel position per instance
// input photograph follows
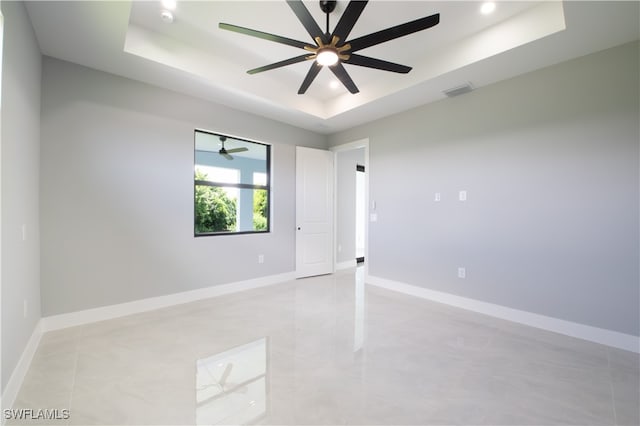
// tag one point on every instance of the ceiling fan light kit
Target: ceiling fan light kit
(327, 57)
(332, 49)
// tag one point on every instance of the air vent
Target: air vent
(459, 90)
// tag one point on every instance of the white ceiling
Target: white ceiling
(193, 56)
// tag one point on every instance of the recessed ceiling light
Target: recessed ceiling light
(167, 16)
(169, 4)
(334, 84)
(487, 7)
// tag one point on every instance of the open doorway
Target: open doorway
(351, 166)
(360, 212)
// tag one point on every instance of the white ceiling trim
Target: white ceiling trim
(208, 63)
(533, 24)
(529, 26)
(217, 71)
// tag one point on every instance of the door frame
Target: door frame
(361, 143)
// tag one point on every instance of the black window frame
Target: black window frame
(266, 187)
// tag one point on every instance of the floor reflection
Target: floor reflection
(338, 351)
(231, 386)
(358, 333)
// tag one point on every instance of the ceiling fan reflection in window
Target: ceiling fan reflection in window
(333, 49)
(226, 153)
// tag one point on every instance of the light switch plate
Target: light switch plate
(462, 272)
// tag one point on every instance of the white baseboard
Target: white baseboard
(586, 332)
(102, 313)
(346, 265)
(114, 311)
(594, 334)
(15, 381)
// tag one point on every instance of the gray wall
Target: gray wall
(550, 163)
(20, 170)
(346, 202)
(117, 192)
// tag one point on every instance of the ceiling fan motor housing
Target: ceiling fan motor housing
(328, 6)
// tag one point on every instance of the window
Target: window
(231, 185)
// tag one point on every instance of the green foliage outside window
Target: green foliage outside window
(215, 211)
(260, 204)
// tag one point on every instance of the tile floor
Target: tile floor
(327, 350)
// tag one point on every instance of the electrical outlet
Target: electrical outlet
(462, 195)
(261, 258)
(436, 197)
(339, 248)
(462, 272)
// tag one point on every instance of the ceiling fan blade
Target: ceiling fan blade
(394, 32)
(306, 19)
(343, 76)
(379, 64)
(348, 19)
(227, 156)
(234, 150)
(284, 63)
(311, 75)
(263, 35)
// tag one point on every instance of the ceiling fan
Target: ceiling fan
(333, 49)
(226, 152)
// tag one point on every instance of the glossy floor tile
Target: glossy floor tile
(326, 350)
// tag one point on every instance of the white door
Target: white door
(314, 212)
